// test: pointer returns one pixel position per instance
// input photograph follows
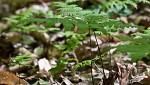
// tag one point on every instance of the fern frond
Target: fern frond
(71, 1)
(118, 3)
(66, 9)
(77, 17)
(135, 48)
(86, 63)
(81, 65)
(71, 43)
(61, 4)
(61, 64)
(74, 8)
(144, 1)
(135, 51)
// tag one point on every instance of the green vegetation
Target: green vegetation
(78, 23)
(72, 15)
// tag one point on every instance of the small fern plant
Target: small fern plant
(71, 16)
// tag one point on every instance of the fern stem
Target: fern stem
(91, 56)
(110, 56)
(101, 60)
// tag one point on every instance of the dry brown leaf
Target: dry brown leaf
(146, 81)
(7, 78)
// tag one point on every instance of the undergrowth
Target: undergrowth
(72, 16)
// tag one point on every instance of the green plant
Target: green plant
(71, 16)
(61, 64)
(138, 47)
(71, 43)
(86, 63)
(125, 3)
(31, 12)
(85, 21)
(42, 82)
(71, 1)
(113, 8)
(19, 60)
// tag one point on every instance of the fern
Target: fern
(86, 63)
(71, 43)
(61, 64)
(143, 1)
(120, 7)
(77, 17)
(72, 15)
(146, 33)
(138, 47)
(71, 1)
(117, 3)
(19, 60)
(70, 18)
(23, 18)
(71, 10)
(81, 65)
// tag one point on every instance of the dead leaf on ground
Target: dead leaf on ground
(7, 78)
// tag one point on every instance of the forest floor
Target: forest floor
(30, 55)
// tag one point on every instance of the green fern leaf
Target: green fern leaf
(135, 48)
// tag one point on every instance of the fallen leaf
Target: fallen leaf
(146, 81)
(7, 78)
